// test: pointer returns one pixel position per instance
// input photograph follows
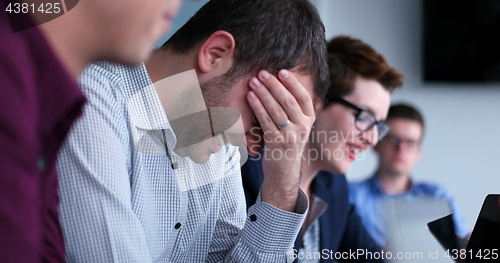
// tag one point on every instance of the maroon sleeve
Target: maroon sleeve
(20, 205)
(39, 101)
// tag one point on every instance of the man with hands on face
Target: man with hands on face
(147, 202)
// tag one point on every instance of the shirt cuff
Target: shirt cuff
(274, 230)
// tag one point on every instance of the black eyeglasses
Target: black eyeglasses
(365, 120)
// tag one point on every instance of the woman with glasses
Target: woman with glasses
(348, 121)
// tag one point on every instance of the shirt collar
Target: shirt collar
(146, 107)
(146, 113)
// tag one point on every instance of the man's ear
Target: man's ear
(216, 53)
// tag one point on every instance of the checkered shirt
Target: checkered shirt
(123, 204)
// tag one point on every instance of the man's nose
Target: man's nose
(402, 147)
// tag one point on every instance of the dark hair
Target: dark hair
(348, 58)
(269, 34)
(404, 111)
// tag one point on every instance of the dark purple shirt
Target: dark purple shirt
(39, 100)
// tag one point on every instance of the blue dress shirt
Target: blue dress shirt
(368, 198)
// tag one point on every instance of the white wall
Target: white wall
(188, 9)
(463, 121)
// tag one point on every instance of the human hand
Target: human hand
(284, 109)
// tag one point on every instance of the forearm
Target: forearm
(268, 234)
(280, 195)
(264, 234)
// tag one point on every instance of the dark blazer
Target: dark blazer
(340, 226)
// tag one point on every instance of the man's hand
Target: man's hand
(275, 101)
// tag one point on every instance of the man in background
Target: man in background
(398, 153)
(40, 60)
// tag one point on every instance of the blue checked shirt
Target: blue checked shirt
(123, 204)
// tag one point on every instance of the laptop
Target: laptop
(409, 239)
(484, 242)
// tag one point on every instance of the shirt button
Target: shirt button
(41, 162)
(178, 225)
(253, 217)
(175, 165)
